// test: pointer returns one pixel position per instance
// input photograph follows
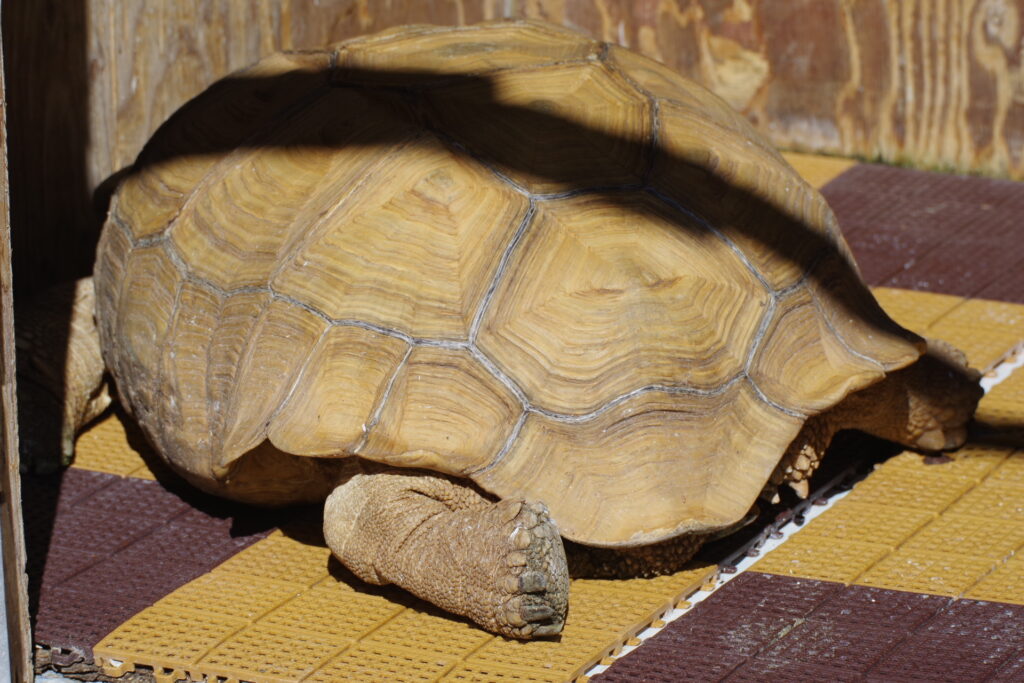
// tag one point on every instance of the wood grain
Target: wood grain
(18, 635)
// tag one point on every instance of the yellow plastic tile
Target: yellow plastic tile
(821, 557)
(879, 524)
(440, 638)
(897, 487)
(1003, 406)
(223, 594)
(261, 653)
(1010, 470)
(915, 310)
(335, 611)
(984, 330)
(282, 558)
(817, 170)
(104, 447)
(968, 535)
(166, 637)
(970, 462)
(576, 651)
(919, 571)
(472, 672)
(1005, 584)
(994, 498)
(371, 662)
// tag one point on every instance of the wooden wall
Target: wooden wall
(936, 83)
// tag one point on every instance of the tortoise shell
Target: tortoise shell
(505, 252)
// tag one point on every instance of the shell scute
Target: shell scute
(654, 466)
(552, 129)
(446, 412)
(634, 294)
(413, 249)
(332, 402)
(225, 117)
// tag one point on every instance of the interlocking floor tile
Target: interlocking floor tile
(941, 658)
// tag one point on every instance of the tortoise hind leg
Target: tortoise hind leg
(500, 564)
(924, 406)
(61, 383)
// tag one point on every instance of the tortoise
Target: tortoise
(484, 288)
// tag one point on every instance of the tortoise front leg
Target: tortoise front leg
(500, 564)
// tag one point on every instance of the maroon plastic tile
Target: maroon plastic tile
(646, 667)
(70, 620)
(138, 498)
(103, 547)
(98, 530)
(54, 565)
(879, 607)
(853, 647)
(932, 231)
(758, 670)
(1011, 670)
(723, 631)
(771, 592)
(995, 622)
(942, 658)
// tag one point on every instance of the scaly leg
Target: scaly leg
(925, 406)
(500, 564)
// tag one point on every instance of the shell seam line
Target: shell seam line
(379, 409)
(512, 437)
(838, 335)
(499, 272)
(700, 220)
(297, 379)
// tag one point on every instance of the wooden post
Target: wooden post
(19, 638)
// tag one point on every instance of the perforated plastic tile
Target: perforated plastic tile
(442, 637)
(167, 637)
(472, 672)
(281, 558)
(105, 447)
(822, 557)
(1010, 470)
(941, 658)
(332, 609)
(278, 592)
(758, 670)
(889, 526)
(937, 573)
(269, 654)
(853, 647)
(879, 607)
(928, 491)
(994, 498)
(1005, 584)
(972, 462)
(222, 593)
(370, 662)
(570, 656)
(1003, 407)
(972, 536)
(916, 311)
(985, 330)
